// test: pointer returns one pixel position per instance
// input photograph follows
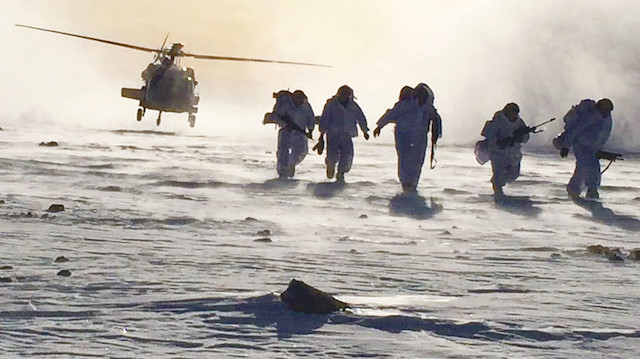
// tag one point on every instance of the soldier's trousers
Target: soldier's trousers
(506, 169)
(587, 172)
(339, 151)
(292, 149)
(411, 150)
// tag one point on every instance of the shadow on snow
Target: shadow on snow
(412, 205)
(266, 312)
(602, 214)
(327, 189)
(518, 205)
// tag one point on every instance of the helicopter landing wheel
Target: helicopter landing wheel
(139, 115)
(158, 120)
(192, 120)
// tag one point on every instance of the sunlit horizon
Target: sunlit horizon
(476, 56)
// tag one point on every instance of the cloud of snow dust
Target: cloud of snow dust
(476, 55)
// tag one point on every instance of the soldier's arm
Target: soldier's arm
(362, 120)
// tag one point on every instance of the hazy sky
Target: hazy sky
(477, 55)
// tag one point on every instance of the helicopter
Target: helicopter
(168, 87)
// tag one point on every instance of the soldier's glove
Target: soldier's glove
(319, 147)
(564, 152)
(376, 131)
(366, 135)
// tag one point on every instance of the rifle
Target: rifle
(434, 138)
(432, 165)
(269, 118)
(611, 156)
(517, 134)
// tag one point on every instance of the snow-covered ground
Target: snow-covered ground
(160, 232)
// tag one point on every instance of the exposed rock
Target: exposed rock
(363, 216)
(64, 273)
(264, 232)
(556, 256)
(111, 189)
(454, 227)
(61, 259)
(56, 208)
(250, 219)
(263, 240)
(2, 201)
(446, 233)
(301, 297)
(5, 280)
(49, 144)
(6, 267)
(614, 254)
(634, 255)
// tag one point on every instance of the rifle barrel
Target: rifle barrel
(544, 123)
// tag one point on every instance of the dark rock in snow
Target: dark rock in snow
(49, 144)
(5, 280)
(301, 297)
(64, 273)
(446, 233)
(614, 254)
(56, 208)
(6, 267)
(250, 219)
(1, 201)
(263, 240)
(61, 259)
(264, 232)
(363, 216)
(634, 255)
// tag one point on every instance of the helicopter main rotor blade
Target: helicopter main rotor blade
(162, 48)
(228, 58)
(93, 39)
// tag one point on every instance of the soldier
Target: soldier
(338, 121)
(409, 136)
(295, 117)
(587, 128)
(505, 134)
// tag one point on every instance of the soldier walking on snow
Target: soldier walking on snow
(339, 118)
(587, 128)
(505, 134)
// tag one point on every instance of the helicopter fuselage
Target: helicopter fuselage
(166, 88)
